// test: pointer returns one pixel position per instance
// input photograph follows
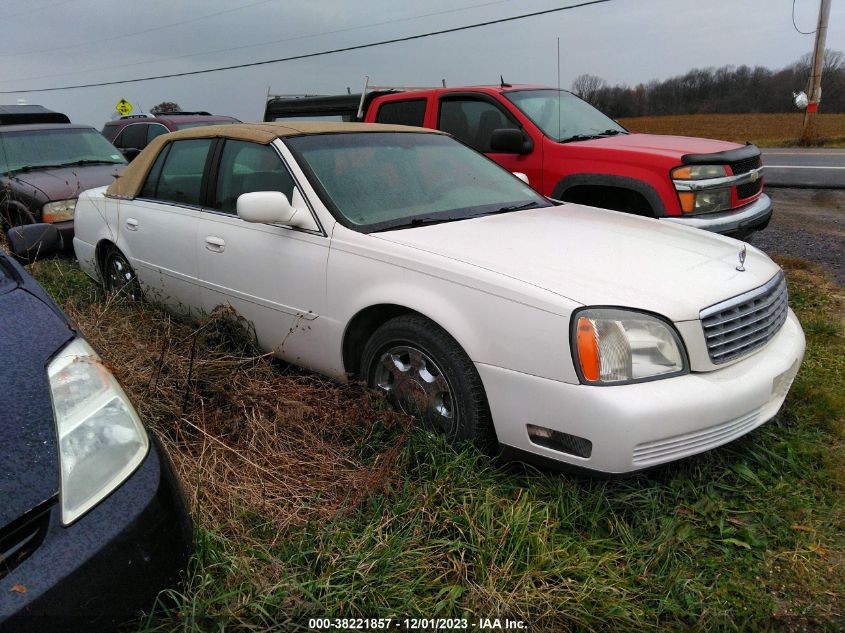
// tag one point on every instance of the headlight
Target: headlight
(698, 172)
(101, 438)
(58, 211)
(612, 346)
(704, 201)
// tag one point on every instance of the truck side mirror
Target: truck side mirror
(510, 141)
(33, 241)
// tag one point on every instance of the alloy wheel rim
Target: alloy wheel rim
(414, 384)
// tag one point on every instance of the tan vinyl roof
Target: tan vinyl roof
(128, 185)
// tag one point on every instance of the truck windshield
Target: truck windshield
(375, 181)
(562, 116)
(24, 150)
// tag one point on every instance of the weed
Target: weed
(314, 501)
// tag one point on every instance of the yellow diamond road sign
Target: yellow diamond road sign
(123, 107)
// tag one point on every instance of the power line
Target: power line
(123, 36)
(6, 16)
(795, 25)
(317, 54)
(265, 43)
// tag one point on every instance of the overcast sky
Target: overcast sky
(49, 43)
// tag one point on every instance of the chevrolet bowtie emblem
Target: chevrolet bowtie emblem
(741, 267)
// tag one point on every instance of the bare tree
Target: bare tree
(165, 106)
(588, 87)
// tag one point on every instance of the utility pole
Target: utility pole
(815, 91)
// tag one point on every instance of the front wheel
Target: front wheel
(423, 372)
(119, 276)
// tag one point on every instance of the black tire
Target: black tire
(439, 387)
(118, 276)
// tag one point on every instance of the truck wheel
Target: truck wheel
(118, 275)
(424, 372)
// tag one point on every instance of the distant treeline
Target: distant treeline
(729, 89)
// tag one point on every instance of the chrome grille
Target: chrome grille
(740, 325)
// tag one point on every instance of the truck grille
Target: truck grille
(748, 189)
(742, 324)
(745, 165)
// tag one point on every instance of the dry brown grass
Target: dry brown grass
(256, 447)
(765, 130)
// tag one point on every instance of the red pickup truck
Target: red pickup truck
(570, 151)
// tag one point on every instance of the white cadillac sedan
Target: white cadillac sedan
(591, 338)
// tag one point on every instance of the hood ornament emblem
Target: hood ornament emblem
(741, 267)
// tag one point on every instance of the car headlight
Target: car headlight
(58, 211)
(101, 438)
(704, 201)
(613, 346)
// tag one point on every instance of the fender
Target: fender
(608, 180)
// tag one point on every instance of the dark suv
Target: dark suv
(130, 134)
(46, 164)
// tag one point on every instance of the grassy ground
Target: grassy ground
(311, 500)
(764, 130)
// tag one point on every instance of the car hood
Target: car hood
(31, 331)
(68, 182)
(598, 257)
(658, 145)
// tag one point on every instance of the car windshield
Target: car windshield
(377, 181)
(185, 126)
(562, 116)
(54, 147)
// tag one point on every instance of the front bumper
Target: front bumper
(637, 426)
(741, 221)
(109, 565)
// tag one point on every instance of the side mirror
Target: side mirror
(32, 241)
(129, 153)
(510, 141)
(266, 207)
(522, 177)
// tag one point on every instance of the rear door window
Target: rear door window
(408, 112)
(133, 136)
(153, 130)
(181, 176)
(247, 167)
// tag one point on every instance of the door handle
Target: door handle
(132, 224)
(215, 244)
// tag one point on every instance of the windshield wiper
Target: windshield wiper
(84, 161)
(587, 137)
(420, 222)
(513, 207)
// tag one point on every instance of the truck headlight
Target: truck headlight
(101, 438)
(615, 346)
(698, 172)
(59, 211)
(703, 201)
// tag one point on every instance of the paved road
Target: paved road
(808, 224)
(814, 168)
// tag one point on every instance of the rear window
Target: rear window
(408, 112)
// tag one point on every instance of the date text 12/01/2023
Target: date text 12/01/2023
(413, 624)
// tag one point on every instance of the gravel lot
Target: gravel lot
(809, 224)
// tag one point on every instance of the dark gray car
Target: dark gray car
(44, 168)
